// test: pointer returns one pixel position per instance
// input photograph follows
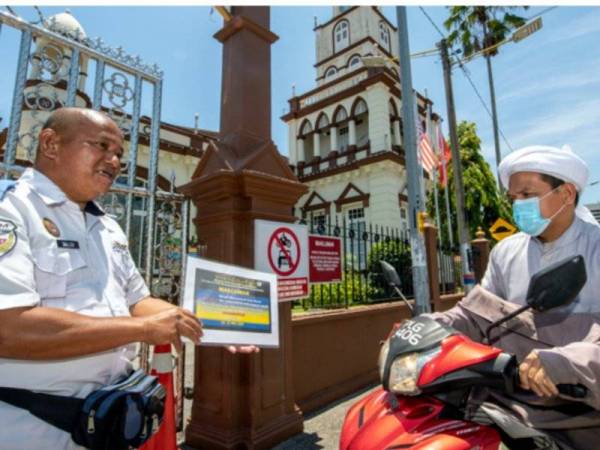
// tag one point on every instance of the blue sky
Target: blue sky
(547, 85)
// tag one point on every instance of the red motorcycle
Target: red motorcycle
(428, 369)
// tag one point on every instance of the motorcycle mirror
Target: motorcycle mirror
(557, 285)
(393, 279)
(389, 273)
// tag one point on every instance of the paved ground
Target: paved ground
(321, 428)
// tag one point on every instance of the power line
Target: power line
(432, 22)
(541, 13)
(465, 73)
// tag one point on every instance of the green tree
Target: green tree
(482, 28)
(397, 253)
(483, 201)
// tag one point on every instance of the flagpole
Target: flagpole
(446, 194)
(420, 159)
(435, 180)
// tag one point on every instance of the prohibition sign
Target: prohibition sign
(281, 244)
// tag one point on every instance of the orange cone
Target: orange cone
(162, 366)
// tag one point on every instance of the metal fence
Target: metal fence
(54, 69)
(363, 247)
(450, 269)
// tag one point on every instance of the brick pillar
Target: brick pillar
(243, 401)
(481, 252)
(433, 272)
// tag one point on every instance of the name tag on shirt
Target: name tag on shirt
(67, 244)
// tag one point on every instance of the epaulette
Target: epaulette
(5, 186)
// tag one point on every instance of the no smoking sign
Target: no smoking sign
(282, 249)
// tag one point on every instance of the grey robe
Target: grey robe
(569, 349)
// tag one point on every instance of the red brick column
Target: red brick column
(243, 401)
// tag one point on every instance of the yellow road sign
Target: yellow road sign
(421, 221)
(502, 229)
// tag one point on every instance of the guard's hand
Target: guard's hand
(246, 349)
(533, 376)
(168, 326)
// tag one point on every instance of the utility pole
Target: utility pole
(488, 60)
(463, 233)
(416, 202)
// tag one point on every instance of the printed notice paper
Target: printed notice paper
(236, 305)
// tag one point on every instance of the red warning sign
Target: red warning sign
(284, 251)
(282, 248)
(324, 259)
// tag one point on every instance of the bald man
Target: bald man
(72, 302)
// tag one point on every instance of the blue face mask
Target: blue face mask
(528, 216)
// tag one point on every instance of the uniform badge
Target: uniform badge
(119, 247)
(8, 237)
(51, 227)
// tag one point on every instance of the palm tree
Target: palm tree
(481, 29)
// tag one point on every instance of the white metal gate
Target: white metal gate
(52, 72)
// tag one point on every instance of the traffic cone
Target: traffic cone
(162, 366)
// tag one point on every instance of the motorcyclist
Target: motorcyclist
(561, 346)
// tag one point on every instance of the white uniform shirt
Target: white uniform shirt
(57, 256)
(517, 258)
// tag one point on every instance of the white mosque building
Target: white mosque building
(345, 135)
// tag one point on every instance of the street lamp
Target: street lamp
(527, 30)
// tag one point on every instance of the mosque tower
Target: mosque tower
(345, 135)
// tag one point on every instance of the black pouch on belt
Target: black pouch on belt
(115, 417)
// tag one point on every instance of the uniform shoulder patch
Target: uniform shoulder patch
(8, 236)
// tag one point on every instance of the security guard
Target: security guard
(72, 302)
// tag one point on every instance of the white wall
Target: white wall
(383, 180)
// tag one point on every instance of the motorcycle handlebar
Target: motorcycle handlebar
(571, 390)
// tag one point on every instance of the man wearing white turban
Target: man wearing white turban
(563, 345)
(562, 164)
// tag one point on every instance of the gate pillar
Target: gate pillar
(243, 401)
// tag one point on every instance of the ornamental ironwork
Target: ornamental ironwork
(98, 45)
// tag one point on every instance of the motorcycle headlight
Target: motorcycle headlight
(404, 370)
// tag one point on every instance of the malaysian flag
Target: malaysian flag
(427, 156)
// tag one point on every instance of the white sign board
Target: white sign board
(282, 248)
(236, 305)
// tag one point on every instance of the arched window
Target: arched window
(322, 122)
(360, 107)
(341, 35)
(384, 35)
(330, 72)
(340, 115)
(354, 61)
(305, 129)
